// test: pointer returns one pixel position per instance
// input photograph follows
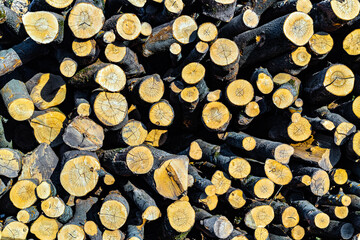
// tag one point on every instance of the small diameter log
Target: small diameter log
(319, 124)
(175, 53)
(92, 230)
(323, 154)
(44, 27)
(180, 218)
(270, 40)
(46, 189)
(261, 233)
(87, 50)
(236, 167)
(17, 100)
(20, 54)
(258, 215)
(203, 184)
(344, 128)
(15, 230)
(292, 63)
(239, 24)
(201, 150)
(216, 116)
(108, 179)
(221, 182)
(340, 199)
(277, 172)
(33, 161)
(71, 232)
(82, 208)
(117, 53)
(54, 207)
(79, 174)
(27, 215)
(222, 10)
(320, 182)
(161, 113)
(111, 77)
(46, 90)
(239, 140)
(114, 211)
(239, 92)
(352, 187)
(134, 232)
(193, 74)
(189, 99)
(147, 89)
(111, 109)
(258, 187)
(207, 32)
(48, 126)
(287, 93)
(82, 105)
(67, 60)
(84, 134)
(85, 19)
(84, 79)
(262, 79)
(134, 133)
(336, 229)
(311, 214)
(339, 176)
(129, 161)
(330, 83)
(126, 25)
(286, 215)
(224, 55)
(180, 30)
(214, 96)
(350, 44)
(144, 202)
(22, 194)
(235, 197)
(103, 38)
(10, 162)
(213, 225)
(355, 201)
(320, 44)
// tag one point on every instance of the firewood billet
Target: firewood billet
(147, 89)
(258, 214)
(28, 215)
(258, 187)
(320, 182)
(10, 162)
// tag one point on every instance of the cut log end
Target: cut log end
(301, 57)
(252, 109)
(277, 172)
(22, 194)
(134, 133)
(264, 83)
(224, 52)
(71, 231)
(152, 89)
(321, 220)
(216, 116)
(239, 168)
(339, 80)
(207, 32)
(240, 92)
(111, 78)
(261, 233)
(161, 114)
(346, 10)
(304, 6)
(283, 152)
(321, 43)
(184, 28)
(298, 28)
(297, 232)
(128, 26)
(140, 160)
(181, 216)
(264, 188)
(193, 73)
(339, 176)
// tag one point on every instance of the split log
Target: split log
(17, 100)
(84, 134)
(46, 90)
(10, 162)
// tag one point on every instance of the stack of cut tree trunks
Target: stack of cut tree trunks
(179, 119)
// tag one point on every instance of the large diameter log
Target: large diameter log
(14, 229)
(224, 55)
(85, 19)
(213, 225)
(332, 82)
(114, 210)
(79, 175)
(180, 218)
(22, 194)
(44, 27)
(259, 214)
(20, 54)
(17, 100)
(263, 43)
(34, 161)
(46, 90)
(84, 134)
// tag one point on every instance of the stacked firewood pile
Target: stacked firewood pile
(179, 119)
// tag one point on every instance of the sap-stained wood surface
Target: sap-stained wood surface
(179, 119)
